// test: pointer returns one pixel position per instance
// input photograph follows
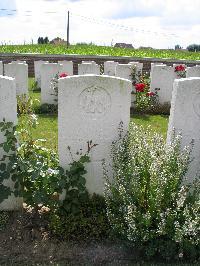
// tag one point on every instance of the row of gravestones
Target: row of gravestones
(47, 71)
(92, 108)
(161, 76)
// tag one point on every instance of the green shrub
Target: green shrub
(46, 109)
(145, 100)
(149, 202)
(89, 222)
(35, 86)
(35, 169)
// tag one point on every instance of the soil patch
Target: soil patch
(25, 240)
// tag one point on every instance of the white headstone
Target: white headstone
(88, 68)
(109, 68)
(162, 77)
(138, 66)
(157, 64)
(124, 71)
(18, 61)
(8, 111)
(1, 68)
(37, 70)
(193, 71)
(19, 71)
(89, 62)
(48, 72)
(91, 107)
(185, 118)
(67, 67)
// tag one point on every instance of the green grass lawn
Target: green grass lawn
(99, 50)
(158, 123)
(48, 126)
(48, 123)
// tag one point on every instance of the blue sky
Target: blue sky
(155, 23)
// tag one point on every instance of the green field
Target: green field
(99, 50)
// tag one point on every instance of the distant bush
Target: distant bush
(177, 47)
(193, 48)
(85, 43)
(42, 40)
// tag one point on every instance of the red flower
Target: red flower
(179, 68)
(140, 87)
(63, 75)
(150, 93)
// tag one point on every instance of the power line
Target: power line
(123, 27)
(94, 20)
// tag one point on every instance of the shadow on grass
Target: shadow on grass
(144, 117)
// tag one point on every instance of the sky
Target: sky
(149, 23)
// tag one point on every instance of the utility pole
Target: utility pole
(67, 29)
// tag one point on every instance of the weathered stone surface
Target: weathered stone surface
(37, 70)
(156, 64)
(89, 62)
(193, 71)
(137, 65)
(110, 67)
(162, 77)
(67, 67)
(90, 108)
(124, 71)
(18, 61)
(88, 68)
(8, 111)
(48, 72)
(19, 71)
(185, 118)
(1, 68)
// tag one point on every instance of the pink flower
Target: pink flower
(63, 75)
(140, 87)
(150, 93)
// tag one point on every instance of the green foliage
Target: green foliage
(42, 40)
(149, 202)
(7, 162)
(193, 48)
(35, 169)
(25, 104)
(89, 222)
(35, 86)
(145, 101)
(46, 109)
(99, 50)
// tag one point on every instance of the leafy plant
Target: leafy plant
(149, 202)
(91, 49)
(90, 221)
(180, 71)
(145, 100)
(8, 159)
(54, 84)
(35, 86)
(35, 169)
(46, 108)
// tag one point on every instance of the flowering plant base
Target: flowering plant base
(180, 71)
(54, 83)
(145, 100)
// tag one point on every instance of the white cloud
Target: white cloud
(155, 23)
